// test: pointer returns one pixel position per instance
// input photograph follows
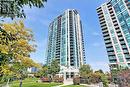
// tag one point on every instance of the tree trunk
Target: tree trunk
(7, 84)
(20, 85)
(53, 78)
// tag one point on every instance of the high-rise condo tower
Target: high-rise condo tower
(66, 44)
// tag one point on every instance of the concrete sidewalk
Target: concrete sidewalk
(86, 85)
(66, 82)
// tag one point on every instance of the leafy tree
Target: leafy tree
(93, 77)
(43, 71)
(104, 79)
(54, 68)
(17, 7)
(85, 70)
(16, 44)
(115, 72)
(100, 71)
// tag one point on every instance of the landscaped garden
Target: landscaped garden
(32, 82)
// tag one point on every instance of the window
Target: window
(121, 4)
(117, 9)
(114, 2)
(114, 40)
(120, 57)
(128, 22)
(112, 31)
(117, 48)
(120, 17)
(126, 15)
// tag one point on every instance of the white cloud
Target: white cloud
(96, 34)
(97, 44)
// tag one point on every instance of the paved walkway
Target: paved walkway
(66, 82)
(70, 82)
(98, 85)
(81, 84)
(86, 85)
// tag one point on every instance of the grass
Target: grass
(74, 86)
(31, 82)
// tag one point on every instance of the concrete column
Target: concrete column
(69, 74)
(64, 76)
(74, 74)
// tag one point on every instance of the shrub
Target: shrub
(76, 81)
(84, 80)
(58, 79)
(45, 79)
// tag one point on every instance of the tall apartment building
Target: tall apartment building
(114, 17)
(65, 43)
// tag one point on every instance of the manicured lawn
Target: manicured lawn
(32, 83)
(74, 86)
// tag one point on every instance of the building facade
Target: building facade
(65, 43)
(32, 70)
(114, 17)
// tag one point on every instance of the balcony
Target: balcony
(121, 38)
(125, 51)
(110, 50)
(112, 57)
(99, 9)
(109, 45)
(104, 31)
(128, 59)
(118, 31)
(106, 38)
(107, 41)
(102, 22)
(104, 28)
(102, 25)
(100, 13)
(122, 42)
(124, 47)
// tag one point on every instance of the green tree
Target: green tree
(17, 7)
(95, 77)
(100, 71)
(85, 70)
(104, 79)
(54, 68)
(43, 71)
